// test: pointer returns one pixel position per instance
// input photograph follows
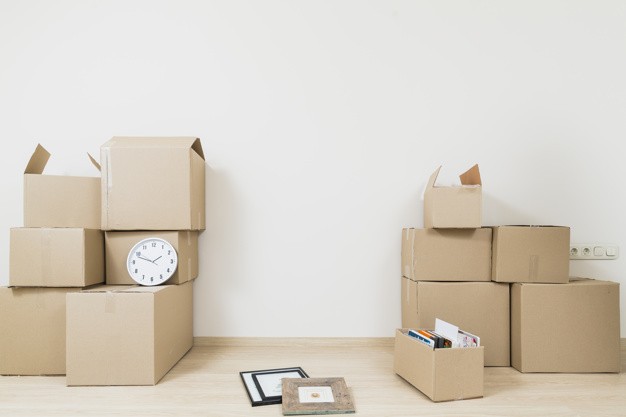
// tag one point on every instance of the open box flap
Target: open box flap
(471, 176)
(37, 161)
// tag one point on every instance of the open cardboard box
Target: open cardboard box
(454, 206)
(153, 183)
(59, 200)
(441, 374)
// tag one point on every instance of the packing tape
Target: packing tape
(533, 267)
(109, 302)
(46, 256)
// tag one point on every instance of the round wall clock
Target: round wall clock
(152, 261)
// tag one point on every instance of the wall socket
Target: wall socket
(597, 251)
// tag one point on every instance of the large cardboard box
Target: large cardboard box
(118, 244)
(56, 257)
(530, 254)
(481, 308)
(32, 325)
(58, 200)
(152, 184)
(446, 254)
(573, 327)
(127, 335)
(454, 206)
(441, 374)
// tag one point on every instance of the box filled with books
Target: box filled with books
(442, 367)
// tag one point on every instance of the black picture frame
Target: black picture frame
(254, 389)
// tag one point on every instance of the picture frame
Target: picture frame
(317, 396)
(262, 386)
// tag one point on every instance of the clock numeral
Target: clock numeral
(154, 244)
(168, 270)
(145, 247)
(162, 246)
(138, 254)
(169, 252)
(151, 279)
(134, 262)
(161, 276)
(171, 261)
(143, 277)
(136, 270)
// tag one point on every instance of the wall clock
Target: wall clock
(152, 261)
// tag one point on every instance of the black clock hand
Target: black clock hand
(145, 259)
(154, 261)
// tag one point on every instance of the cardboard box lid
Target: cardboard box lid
(39, 159)
(471, 177)
(130, 142)
(125, 289)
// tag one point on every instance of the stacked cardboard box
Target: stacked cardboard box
(534, 329)
(59, 251)
(121, 333)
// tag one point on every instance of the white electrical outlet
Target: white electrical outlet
(597, 251)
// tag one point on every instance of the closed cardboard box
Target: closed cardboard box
(446, 254)
(119, 244)
(441, 374)
(481, 308)
(127, 335)
(152, 184)
(58, 200)
(32, 325)
(573, 327)
(56, 257)
(531, 254)
(454, 206)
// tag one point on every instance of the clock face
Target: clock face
(152, 261)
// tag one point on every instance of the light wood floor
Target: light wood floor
(206, 383)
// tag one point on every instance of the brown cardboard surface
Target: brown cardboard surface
(446, 254)
(454, 207)
(127, 335)
(32, 325)
(572, 327)
(481, 308)
(56, 257)
(118, 244)
(153, 184)
(441, 374)
(58, 200)
(531, 254)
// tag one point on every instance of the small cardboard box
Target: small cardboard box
(32, 325)
(127, 335)
(118, 244)
(441, 374)
(152, 184)
(58, 200)
(481, 308)
(446, 254)
(56, 257)
(531, 254)
(572, 327)
(456, 206)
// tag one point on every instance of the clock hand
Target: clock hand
(145, 259)
(154, 261)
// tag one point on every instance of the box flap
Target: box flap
(108, 288)
(471, 176)
(94, 162)
(433, 178)
(37, 161)
(184, 142)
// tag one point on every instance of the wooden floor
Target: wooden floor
(206, 383)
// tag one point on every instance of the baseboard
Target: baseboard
(293, 341)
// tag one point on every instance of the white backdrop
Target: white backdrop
(321, 122)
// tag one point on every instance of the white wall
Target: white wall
(321, 121)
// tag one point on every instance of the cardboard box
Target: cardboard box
(58, 200)
(446, 254)
(152, 184)
(530, 254)
(118, 245)
(56, 257)
(32, 325)
(572, 327)
(456, 206)
(481, 308)
(441, 374)
(127, 335)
